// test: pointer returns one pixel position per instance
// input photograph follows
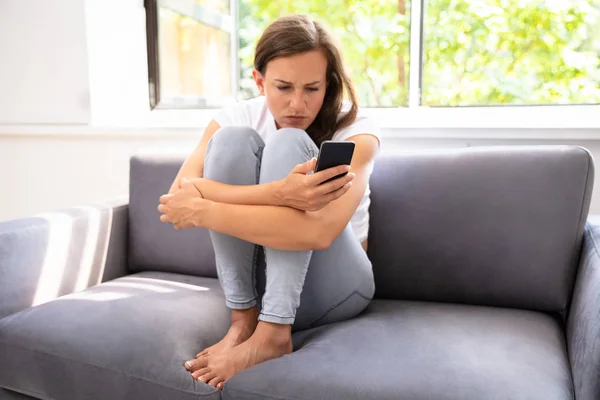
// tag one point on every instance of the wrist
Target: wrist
(203, 210)
(198, 183)
(277, 194)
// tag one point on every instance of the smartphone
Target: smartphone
(333, 153)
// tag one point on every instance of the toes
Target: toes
(202, 353)
(207, 377)
(220, 385)
(215, 381)
(192, 365)
(200, 362)
(196, 364)
(200, 372)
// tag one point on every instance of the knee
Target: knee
(230, 143)
(292, 138)
(234, 137)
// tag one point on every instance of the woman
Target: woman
(249, 182)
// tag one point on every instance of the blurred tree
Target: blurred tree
(483, 52)
(373, 36)
(475, 52)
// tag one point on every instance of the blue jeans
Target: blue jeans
(303, 288)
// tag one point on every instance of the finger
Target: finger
(335, 184)
(162, 208)
(220, 385)
(338, 193)
(322, 176)
(165, 197)
(165, 218)
(305, 167)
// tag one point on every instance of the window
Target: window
(192, 53)
(495, 52)
(399, 53)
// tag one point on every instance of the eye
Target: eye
(312, 89)
(282, 88)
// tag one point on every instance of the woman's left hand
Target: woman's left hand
(185, 207)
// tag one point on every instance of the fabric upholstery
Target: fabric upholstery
(154, 245)
(418, 351)
(123, 339)
(583, 324)
(56, 253)
(497, 226)
(6, 394)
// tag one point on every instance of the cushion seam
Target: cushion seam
(312, 323)
(110, 370)
(262, 394)
(27, 393)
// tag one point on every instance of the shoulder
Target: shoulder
(363, 124)
(241, 113)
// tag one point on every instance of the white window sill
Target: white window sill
(531, 122)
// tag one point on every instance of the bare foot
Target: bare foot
(269, 341)
(243, 324)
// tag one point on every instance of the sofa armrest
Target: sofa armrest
(583, 323)
(49, 255)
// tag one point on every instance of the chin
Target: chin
(297, 126)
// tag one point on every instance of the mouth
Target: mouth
(295, 117)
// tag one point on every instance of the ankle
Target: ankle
(247, 318)
(276, 334)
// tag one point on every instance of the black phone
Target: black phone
(333, 153)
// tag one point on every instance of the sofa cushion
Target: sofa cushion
(123, 339)
(418, 351)
(497, 226)
(10, 395)
(154, 245)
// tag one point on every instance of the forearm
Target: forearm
(192, 167)
(282, 228)
(262, 194)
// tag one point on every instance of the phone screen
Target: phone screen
(334, 153)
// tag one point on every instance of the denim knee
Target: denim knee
(233, 140)
(292, 137)
(230, 147)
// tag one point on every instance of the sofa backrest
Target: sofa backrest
(499, 226)
(155, 245)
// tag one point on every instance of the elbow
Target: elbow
(324, 239)
(323, 232)
(322, 243)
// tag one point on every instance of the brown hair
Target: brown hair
(295, 34)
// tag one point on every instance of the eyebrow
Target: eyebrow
(289, 83)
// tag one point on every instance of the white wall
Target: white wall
(69, 66)
(43, 62)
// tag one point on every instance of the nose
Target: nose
(297, 102)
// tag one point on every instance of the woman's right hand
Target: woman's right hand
(305, 192)
(177, 183)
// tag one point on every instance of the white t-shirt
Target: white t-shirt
(255, 114)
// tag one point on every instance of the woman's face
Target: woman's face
(294, 88)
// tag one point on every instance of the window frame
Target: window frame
(411, 116)
(205, 16)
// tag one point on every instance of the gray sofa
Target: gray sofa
(486, 267)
